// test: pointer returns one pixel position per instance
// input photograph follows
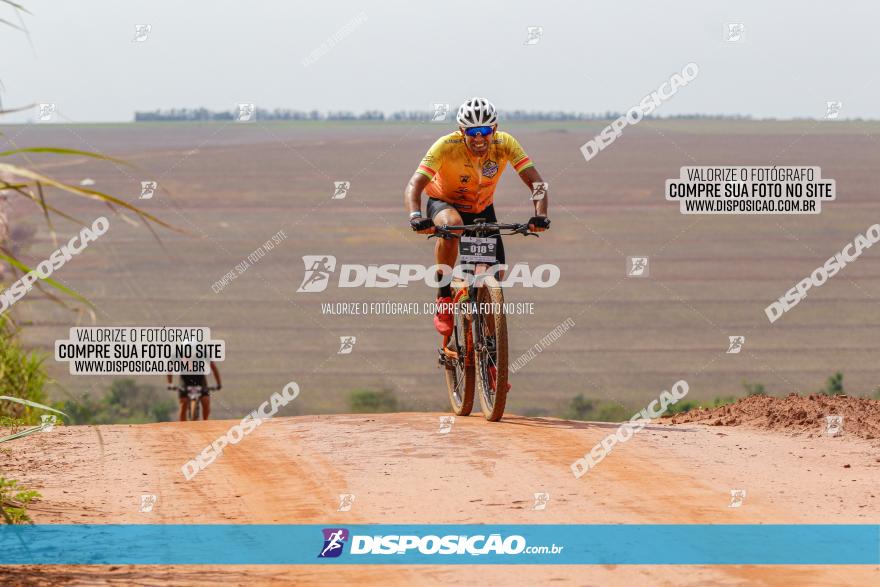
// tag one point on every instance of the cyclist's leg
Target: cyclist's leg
(206, 405)
(445, 250)
(445, 254)
(183, 406)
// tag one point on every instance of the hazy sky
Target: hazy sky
(594, 56)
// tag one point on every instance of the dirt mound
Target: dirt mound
(861, 417)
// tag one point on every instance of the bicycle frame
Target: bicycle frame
(485, 336)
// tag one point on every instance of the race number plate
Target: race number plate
(473, 249)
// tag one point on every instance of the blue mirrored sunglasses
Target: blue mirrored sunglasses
(478, 130)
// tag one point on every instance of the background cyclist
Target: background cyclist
(195, 380)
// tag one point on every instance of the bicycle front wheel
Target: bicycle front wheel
(490, 349)
(458, 359)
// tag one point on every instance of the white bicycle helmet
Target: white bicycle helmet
(477, 112)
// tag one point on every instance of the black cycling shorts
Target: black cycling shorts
(488, 214)
(193, 381)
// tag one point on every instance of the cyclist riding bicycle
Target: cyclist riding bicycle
(195, 380)
(459, 173)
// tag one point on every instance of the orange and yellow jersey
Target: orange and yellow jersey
(464, 180)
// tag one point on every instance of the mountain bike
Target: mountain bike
(475, 353)
(194, 395)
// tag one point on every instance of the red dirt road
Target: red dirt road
(401, 469)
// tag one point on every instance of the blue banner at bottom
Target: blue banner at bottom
(231, 544)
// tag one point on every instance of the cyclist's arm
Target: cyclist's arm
(412, 197)
(216, 375)
(412, 201)
(424, 174)
(169, 378)
(530, 176)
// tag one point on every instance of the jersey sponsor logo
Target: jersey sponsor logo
(490, 168)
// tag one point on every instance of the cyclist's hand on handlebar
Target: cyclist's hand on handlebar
(539, 223)
(422, 225)
(170, 387)
(219, 387)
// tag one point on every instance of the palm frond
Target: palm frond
(31, 404)
(6, 22)
(18, 189)
(65, 151)
(85, 193)
(17, 6)
(16, 263)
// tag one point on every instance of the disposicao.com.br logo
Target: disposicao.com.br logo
(334, 540)
(320, 268)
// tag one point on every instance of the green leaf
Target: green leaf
(22, 109)
(28, 402)
(6, 22)
(22, 433)
(30, 196)
(16, 5)
(80, 191)
(46, 214)
(15, 262)
(62, 151)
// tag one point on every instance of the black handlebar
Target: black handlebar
(482, 228)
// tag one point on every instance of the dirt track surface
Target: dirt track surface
(794, 413)
(402, 470)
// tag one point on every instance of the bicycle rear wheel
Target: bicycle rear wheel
(490, 349)
(457, 356)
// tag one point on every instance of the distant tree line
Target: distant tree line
(196, 114)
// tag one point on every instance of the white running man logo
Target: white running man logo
(335, 543)
(637, 266)
(736, 344)
(318, 270)
(346, 344)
